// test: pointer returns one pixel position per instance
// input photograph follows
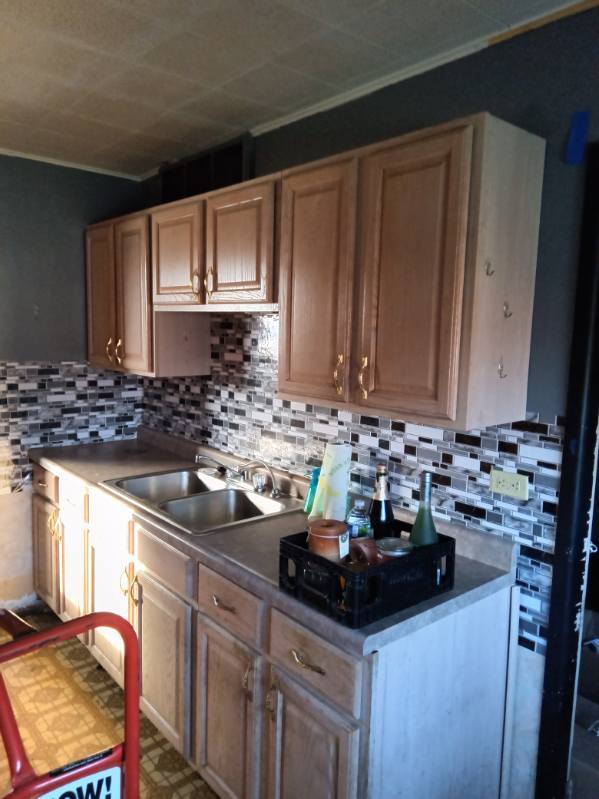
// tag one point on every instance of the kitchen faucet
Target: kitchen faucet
(232, 473)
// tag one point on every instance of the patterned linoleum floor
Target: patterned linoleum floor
(68, 707)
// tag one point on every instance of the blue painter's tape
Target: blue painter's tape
(577, 140)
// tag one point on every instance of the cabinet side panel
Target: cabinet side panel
(438, 706)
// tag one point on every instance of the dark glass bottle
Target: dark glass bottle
(423, 529)
(381, 512)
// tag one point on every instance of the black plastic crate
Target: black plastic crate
(358, 594)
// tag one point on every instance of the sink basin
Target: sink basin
(204, 512)
(157, 488)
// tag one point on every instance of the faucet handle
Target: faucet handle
(259, 482)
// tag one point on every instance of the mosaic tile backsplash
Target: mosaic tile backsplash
(237, 410)
(45, 404)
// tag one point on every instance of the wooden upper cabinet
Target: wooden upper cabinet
(101, 295)
(414, 218)
(133, 348)
(316, 267)
(177, 254)
(239, 244)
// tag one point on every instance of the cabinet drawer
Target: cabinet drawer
(337, 676)
(228, 604)
(45, 483)
(167, 564)
(73, 499)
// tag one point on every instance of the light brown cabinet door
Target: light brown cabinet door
(133, 348)
(101, 295)
(312, 751)
(72, 565)
(414, 215)
(164, 630)
(226, 737)
(318, 226)
(109, 579)
(46, 552)
(177, 248)
(239, 244)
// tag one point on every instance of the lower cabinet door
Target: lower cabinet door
(46, 552)
(227, 737)
(72, 564)
(164, 630)
(312, 750)
(109, 580)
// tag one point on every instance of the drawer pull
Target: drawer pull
(301, 661)
(135, 584)
(218, 603)
(42, 484)
(271, 703)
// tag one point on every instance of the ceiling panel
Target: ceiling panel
(124, 85)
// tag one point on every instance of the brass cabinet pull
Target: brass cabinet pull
(195, 283)
(300, 659)
(51, 523)
(42, 484)
(338, 385)
(119, 345)
(209, 282)
(124, 577)
(506, 310)
(57, 533)
(363, 368)
(245, 682)
(271, 702)
(500, 370)
(218, 603)
(135, 599)
(107, 350)
(489, 268)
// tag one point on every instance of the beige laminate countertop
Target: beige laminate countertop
(249, 553)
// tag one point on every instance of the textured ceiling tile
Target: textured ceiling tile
(264, 25)
(117, 159)
(284, 88)
(91, 133)
(149, 86)
(336, 57)
(98, 24)
(117, 111)
(331, 11)
(185, 55)
(171, 14)
(239, 112)
(514, 12)
(426, 24)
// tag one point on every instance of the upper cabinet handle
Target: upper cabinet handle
(209, 282)
(338, 385)
(119, 345)
(506, 310)
(500, 370)
(489, 268)
(363, 367)
(218, 603)
(107, 350)
(195, 283)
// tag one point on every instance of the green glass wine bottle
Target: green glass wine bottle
(423, 529)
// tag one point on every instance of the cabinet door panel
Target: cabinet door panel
(72, 565)
(316, 273)
(101, 295)
(109, 577)
(239, 244)
(164, 629)
(177, 246)
(134, 322)
(45, 527)
(414, 222)
(225, 732)
(312, 751)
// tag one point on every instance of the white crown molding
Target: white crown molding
(69, 164)
(374, 85)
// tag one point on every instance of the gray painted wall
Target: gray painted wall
(535, 81)
(44, 210)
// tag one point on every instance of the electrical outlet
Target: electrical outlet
(509, 484)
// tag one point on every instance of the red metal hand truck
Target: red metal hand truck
(110, 774)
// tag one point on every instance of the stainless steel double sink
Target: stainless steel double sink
(200, 501)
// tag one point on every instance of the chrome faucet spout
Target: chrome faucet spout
(275, 493)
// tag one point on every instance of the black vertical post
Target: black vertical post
(574, 506)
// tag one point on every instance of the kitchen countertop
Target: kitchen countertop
(256, 567)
